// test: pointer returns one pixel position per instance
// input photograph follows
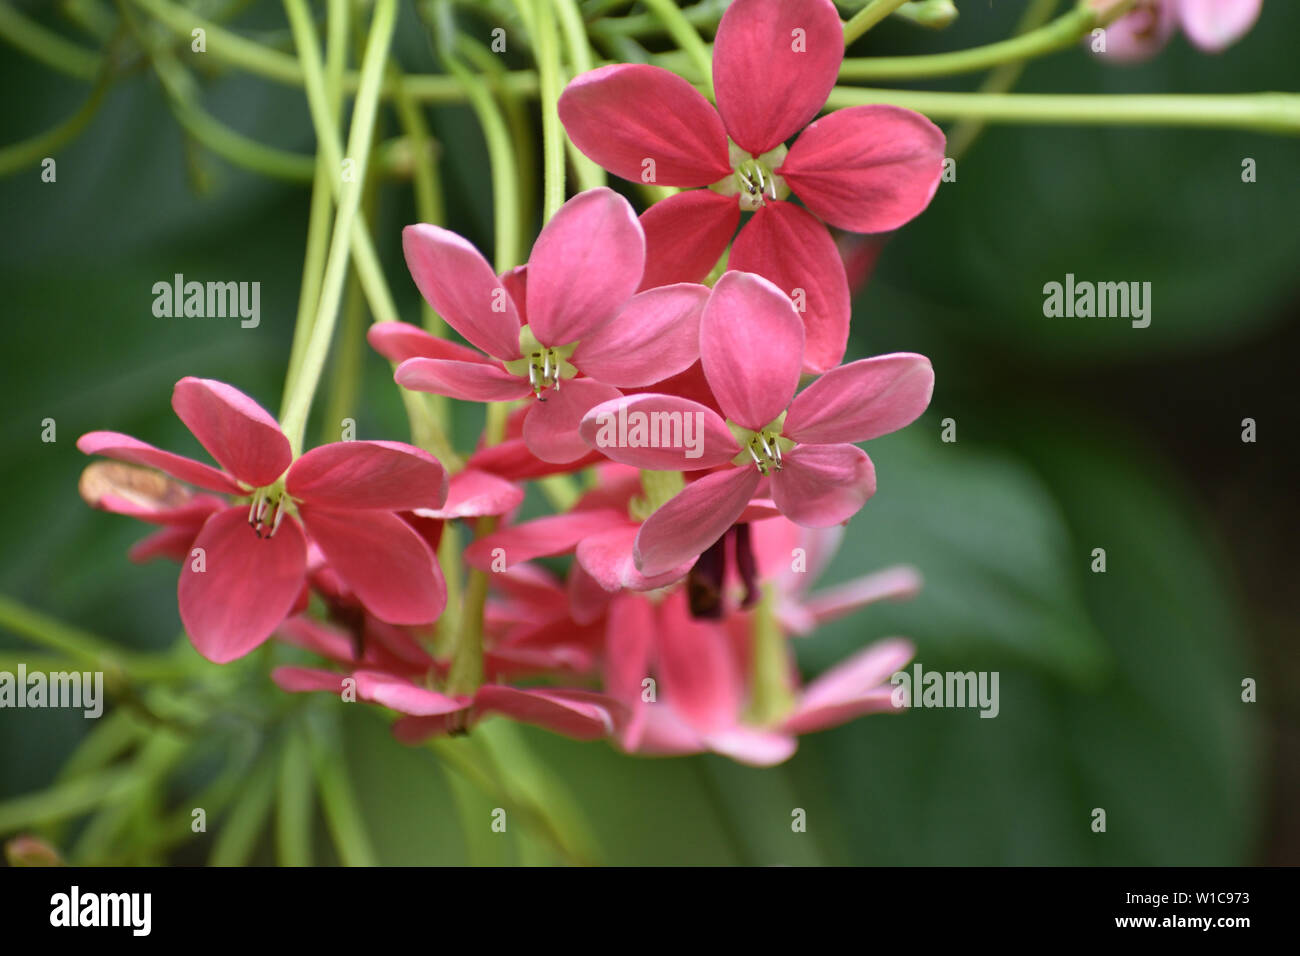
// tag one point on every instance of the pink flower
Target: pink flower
(247, 565)
(572, 309)
(865, 169)
(703, 675)
(751, 345)
(1211, 25)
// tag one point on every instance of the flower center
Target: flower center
(752, 181)
(762, 448)
(543, 365)
(267, 509)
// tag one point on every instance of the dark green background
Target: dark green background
(1118, 690)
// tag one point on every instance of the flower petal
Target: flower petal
(569, 712)
(857, 686)
(892, 584)
(660, 433)
(298, 680)
(235, 430)
(622, 115)
(607, 557)
(822, 485)
(1141, 34)
(359, 475)
(246, 587)
(403, 696)
(697, 670)
(554, 534)
(751, 346)
(685, 236)
(399, 341)
(389, 567)
(629, 645)
(586, 263)
(774, 64)
(753, 747)
(866, 168)
(683, 528)
(551, 428)
(457, 281)
(468, 381)
(786, 245)
(657, 335)
(473, 493)
(1214, 25)
(125, 448)
(172, 543)
(862, 400)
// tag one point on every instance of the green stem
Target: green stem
(684, 35)
(231, 49)
(1258, 112)
(22, 154)
(506, 212)
(466, 674)
(770, 695)
(548, 70)
(706, 13)
(338, 800)
(298, 402)
(293, 805)
(587, 173)
(868, 17)
(1063, 32)
(46, 46)
(1000, 80)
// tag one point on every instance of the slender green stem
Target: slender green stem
(294, 804)
(227, 47)
(1063, 32)
(684, 35)
(240, 829)
(64, 800)
(770, 695)
(506, 212)
(47, 46)
(705, 14)
(868, 17)
(466, 672)
(298, 403)
(338, 800)
(1258, 112)
(548, 70)
(20, 155)
(587, 173)
(1000, 80)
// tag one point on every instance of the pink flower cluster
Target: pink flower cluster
(718, 487)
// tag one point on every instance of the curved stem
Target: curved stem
(1258, 112)
(298, 403)
(684, 35)
(47, 46)
(1000, 80)
(19, 155)
(868, 17)
(1063, 32)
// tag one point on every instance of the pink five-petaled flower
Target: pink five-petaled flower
(248, 562)
(1211, 25)
(572, 309)
(751, 345)
(865, 169)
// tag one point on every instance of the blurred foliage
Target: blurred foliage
(1119, 691)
